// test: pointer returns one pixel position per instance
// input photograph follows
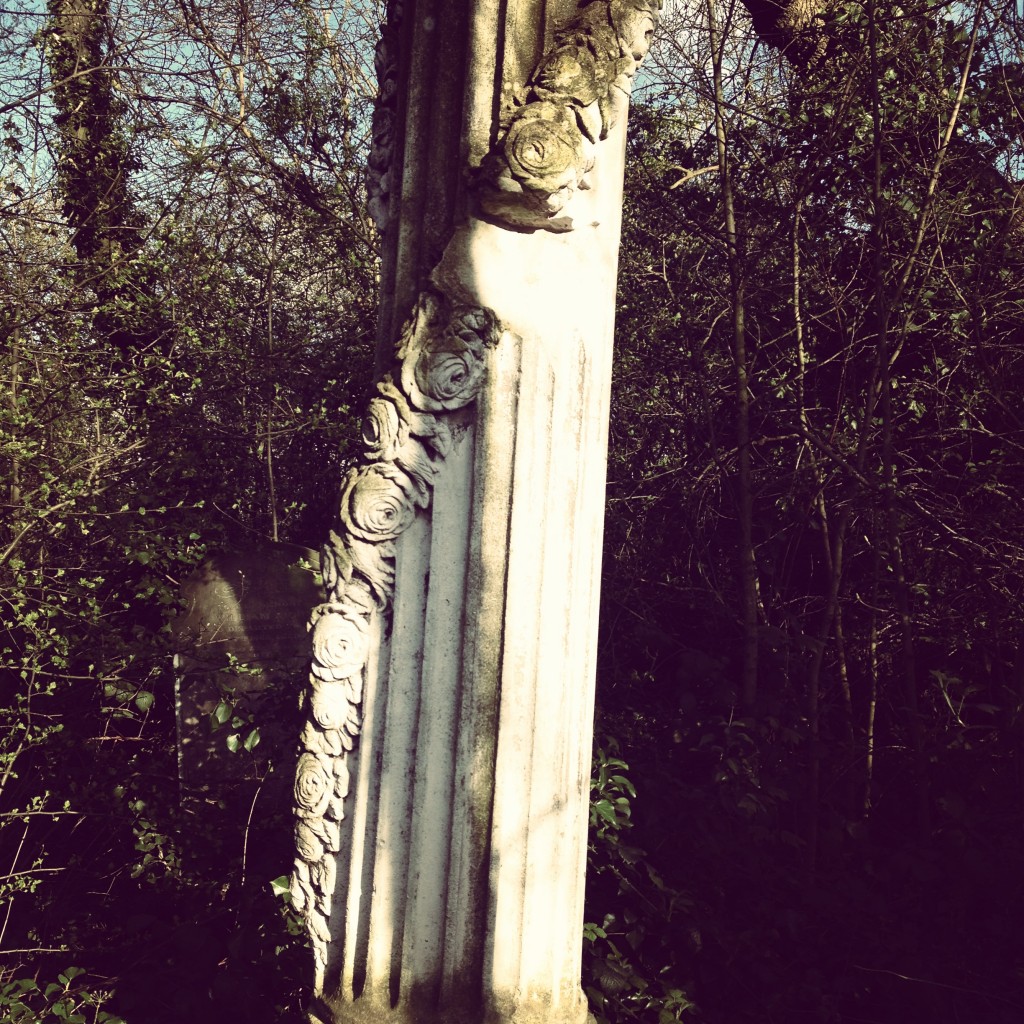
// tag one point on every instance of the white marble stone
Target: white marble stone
(457, 894)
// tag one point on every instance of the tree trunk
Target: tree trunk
(746, 556)
(94, 162)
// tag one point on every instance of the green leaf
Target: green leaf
(144, 700)
(232, 742)
(252, 739)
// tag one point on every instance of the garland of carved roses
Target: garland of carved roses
(571, 102)
(406, 435)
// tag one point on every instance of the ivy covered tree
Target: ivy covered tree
(186, 319)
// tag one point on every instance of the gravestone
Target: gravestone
(241, 644)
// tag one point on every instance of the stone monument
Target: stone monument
(441, 795)
(240, 639)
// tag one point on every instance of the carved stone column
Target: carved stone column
(442, 792)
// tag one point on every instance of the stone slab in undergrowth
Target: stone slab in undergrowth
(241, 643)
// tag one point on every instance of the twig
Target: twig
(940, 984)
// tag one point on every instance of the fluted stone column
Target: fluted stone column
(442, 793)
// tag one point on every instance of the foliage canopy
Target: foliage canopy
(808, 792)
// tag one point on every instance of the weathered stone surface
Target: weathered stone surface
(441, 798)
(574, 98)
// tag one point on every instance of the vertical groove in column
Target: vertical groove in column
(419, 95)
(434, 767)
(482, 626)
(522, 666)
(580, 545)
(360, 823)
(506, 868)
(431, 179)
(558, 676)
(444, 175)
(387, 312)
(393, 766)
(541, 829)
(593, 484)
(524, 44)
(484, 72)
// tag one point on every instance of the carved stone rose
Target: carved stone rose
(577, 94)
(329, 704)
(568, 74)
(448, 375)
(444, 369)
(340, 644)
(314, 787)
(544, 148)
(378, 502)
(385, 431)
(635, 22)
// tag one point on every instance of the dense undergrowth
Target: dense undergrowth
(808, 798)
(709, 910)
